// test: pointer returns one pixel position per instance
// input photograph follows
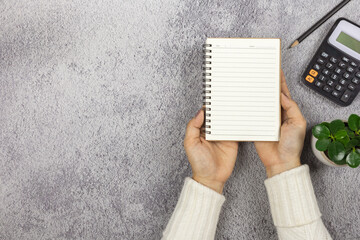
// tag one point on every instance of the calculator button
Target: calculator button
(338, 70)
(346, 75)
(342, 64)
(330, 83)
(333, 60)
(313, 73)
(342, 81)
(329, 66)
(319, 84)
(351, 87)
(339, 87)
(324, 55)
(321, 61)
(317, 67)
(345, 59)
(327, 89)
(334, 76)
(357, 74)
(336, 93)
(346, 96)
(309, 79)
(326, 72)
(356, 81)
(354, 64)
(350, 69)
(321, 77)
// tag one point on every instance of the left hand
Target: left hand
(284, 155)
(212, 162)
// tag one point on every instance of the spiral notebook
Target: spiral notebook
(242, 89)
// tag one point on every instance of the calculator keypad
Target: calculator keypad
(324, 55)
(319, 84)
(320, 61)
(327, 89)
(342, 64)
(345, 97)
(333, 60)
(329, 66)
(342, 81)
(337, 77)
(339, 87)
(352, 87)
(345, 59)
(326, 72)
(313, 73)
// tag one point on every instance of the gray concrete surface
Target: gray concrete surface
(94, 99)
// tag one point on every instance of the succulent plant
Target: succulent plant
(340, 140)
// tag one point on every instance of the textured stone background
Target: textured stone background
(94, 99)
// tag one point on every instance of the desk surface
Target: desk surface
(94, 101)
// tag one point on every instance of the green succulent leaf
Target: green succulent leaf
(354, 122)
(320, 131)
(342, 137)
(326, 124)
(336, 125)
(322, 144)
(344, 140)
(353, 159)
(351, 134)
(341, 134)
(352, 143)
(336, 151)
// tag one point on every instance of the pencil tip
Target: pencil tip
(294, 44)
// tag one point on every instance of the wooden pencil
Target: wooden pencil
(319, 23)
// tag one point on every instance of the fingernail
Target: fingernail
(198, 113)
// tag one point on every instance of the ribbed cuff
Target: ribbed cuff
(292, 199)
(196, 213)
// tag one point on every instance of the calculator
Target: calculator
(334, 71)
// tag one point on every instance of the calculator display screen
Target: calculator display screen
(349, 42)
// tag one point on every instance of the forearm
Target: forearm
(293, 204)
(196, 213)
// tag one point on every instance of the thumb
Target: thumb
(291, 109)
(194, 126)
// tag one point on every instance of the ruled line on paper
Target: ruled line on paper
(224, 47)
(240, 58)
(243, 135)
(213, 68)
(262, 53)
(238, 76)
(218, 62)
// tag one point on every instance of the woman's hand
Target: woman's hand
(212, 162)
(285, 154)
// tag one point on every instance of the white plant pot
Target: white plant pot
(321, 156)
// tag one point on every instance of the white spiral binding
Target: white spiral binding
(207, 86)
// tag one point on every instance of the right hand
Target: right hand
(284, 155)
(212, 162)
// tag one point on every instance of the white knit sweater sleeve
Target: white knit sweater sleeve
(293, 205)
(196, 213)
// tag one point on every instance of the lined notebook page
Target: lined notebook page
(242, 89)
